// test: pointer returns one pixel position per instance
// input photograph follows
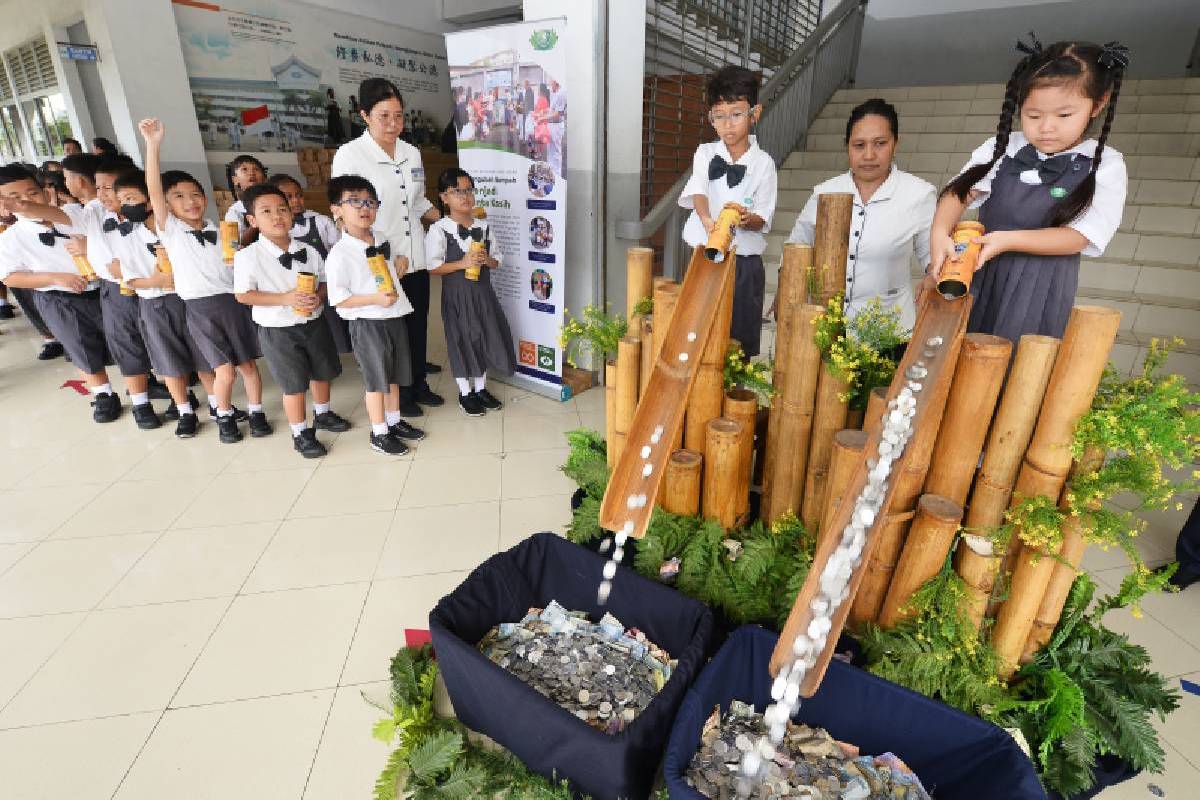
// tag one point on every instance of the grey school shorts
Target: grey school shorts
(77, 322)
(297, 354)
(123, 329)
(223, 329)
(381, 347)
(172, 348)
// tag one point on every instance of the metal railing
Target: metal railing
(792, 98)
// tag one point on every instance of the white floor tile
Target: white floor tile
(12, 553)
(321, 551)
(520, 519)
(33, 514)
(103, 462)
(450, 481)
(535, 473)
(349, 758)
(26, 644)
(539, 432)
(440, 539)
(257, 497)
(132, 507)
(352, 488)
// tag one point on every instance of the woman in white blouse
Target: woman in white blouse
(394, 167)
(892, 214)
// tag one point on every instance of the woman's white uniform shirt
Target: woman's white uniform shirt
(885, 232)
(400, 184)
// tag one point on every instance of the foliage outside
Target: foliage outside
(858, 351)
(594, 332)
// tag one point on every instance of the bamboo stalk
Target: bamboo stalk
(741, 405)
(831, 245)
(973, 393)
(976, 563)
(829, 417)
(610, 410)
(704, 403)
(876, 406)
(639, 272)
(847, 453)
(929, 541)
(1089, 337)
(629, 362)
(666, 295)
(681, 483)
(646, 336)
(721, 459)
(761, 421)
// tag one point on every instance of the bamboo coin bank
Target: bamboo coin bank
(306, 282)
(229, 240)
(164, 262)
(473, 270)
(85, 267)
(717, 246)
(383, 276)
(955, 280)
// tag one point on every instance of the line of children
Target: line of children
(242, 173)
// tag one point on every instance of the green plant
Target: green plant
(644, 307)
(858, 351)
(594, 332)
(753, 375)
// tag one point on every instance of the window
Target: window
(28, 69)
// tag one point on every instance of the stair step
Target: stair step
(1129, 89)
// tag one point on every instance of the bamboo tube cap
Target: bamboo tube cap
(850, 439)
(941, 509)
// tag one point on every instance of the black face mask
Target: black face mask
(137, 213)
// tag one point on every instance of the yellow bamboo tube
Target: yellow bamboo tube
(831, 245)
(876, 406)
(628, 364)
(1090, 334)
(793, 272)
(610, 410)
(681, 483)
(847, 453)
(639, 274)
(976, 563)
(829, 417)
(721, 459)
(854, 418)
(666, 295)
(646, 336)
(929, 540)
(978, 376)
(708, 391)
(741, 405)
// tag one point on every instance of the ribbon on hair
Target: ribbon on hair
(1114, 55)
(1031, 48)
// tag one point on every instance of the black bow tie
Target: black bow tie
(384, 250)
(286, 259)
(470, 233)
(1048, 169)
(153, 248)
(126, 227)
(110, 224)
(733, 172)
(205, 236)
(47, 238)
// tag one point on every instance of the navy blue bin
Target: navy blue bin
(957, 756)
(549, 739)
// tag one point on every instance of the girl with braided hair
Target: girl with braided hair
(1046, 194)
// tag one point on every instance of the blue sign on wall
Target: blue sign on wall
(78, 52)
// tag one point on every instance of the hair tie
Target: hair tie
(1114, 55)
(1033, 47)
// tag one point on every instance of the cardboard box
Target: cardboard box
(580, 380)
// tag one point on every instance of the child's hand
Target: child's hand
(941, 247)
(708, 222)
(162, 280)
(479, 258)
(114, 268)
(386, 299)
(152, 130)
(76, 245)
(302, 300)
(70, 281)
(401, 264)
(993, 244)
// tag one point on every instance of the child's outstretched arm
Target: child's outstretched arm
(152, 131)
(1060, 241)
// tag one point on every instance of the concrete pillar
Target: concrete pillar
(67, 74)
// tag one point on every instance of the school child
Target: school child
(477, 333)
(242, 173)
(33, 256)
(1046, 194)
(376, 317)
(222, 328)
(173, 351)
(734, 169)
(319, 232)
(295, 341)
(51, 347)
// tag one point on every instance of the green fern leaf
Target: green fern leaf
(393, 776)
(434, 755)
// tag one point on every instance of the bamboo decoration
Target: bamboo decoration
(741, 405)
(610, 411)
(847, 452)
(829, 417)
(704, 403)
(646, 336)
(721, 461)
(681, 483)
(976, 563)
(1090, 334)
(831, 246)
(876, 406)
(666, 295)
(639, 272)
(628, 365)
(973, 393)
(854, 418)
(929, 541)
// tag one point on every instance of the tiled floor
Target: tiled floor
(190, 619)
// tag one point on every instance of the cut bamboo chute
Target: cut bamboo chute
(742, 405)
(646, 336)
(610, 411)
(876, 406)
(639, 276)
(831, 245)
(681, 483)
(847, 452)
(929, 541)
(829, 417)
(722, 458)
(704, 403)
(1082, 357)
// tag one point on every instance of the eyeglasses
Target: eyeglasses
(736, 118)
(461, 192)
(359, 202)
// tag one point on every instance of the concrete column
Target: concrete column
(69, 83)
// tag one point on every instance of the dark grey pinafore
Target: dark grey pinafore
(477, 333)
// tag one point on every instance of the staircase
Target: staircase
(1151, 269)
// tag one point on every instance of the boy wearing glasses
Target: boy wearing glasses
(363, 279)
(734, 170)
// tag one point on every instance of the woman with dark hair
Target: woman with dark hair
(333, 120)
(395, 169)
(892, 214)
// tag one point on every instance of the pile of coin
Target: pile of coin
(602, 672)
(809, 764)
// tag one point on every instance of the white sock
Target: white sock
(391, 417)
(212, 402)
(298, 428)
(3, 302)
(379, 429)
(104, 388)
(184, 408)
(140, 399)
(255, 408)
(321, 408)
(464, 386)
(224, 412)
(480, 382)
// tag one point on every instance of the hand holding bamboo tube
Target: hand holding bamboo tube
(955, 278)
(721, 237)
(229, 240)
(306, 283)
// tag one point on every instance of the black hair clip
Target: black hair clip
(1114, 55)
(1031, 48)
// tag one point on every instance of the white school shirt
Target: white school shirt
(885, 233)
(256, 267)
(327, 229)
(89, 220)
(22, 251)
(435, 241)
(200, 268)
(133, 251)
(1101, 219)
(400, 184)
(757, 191)
(347, 273)
(237, 213)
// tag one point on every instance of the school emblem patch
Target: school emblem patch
(1058, 192)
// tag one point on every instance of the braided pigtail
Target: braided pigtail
(1080, 198)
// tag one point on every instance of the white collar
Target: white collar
(377, 153)
(273, 250)
(751, 151)
(358, 243)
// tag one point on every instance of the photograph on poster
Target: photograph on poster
(541, 233)
(541, 284)
(541, 179)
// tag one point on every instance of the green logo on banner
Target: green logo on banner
(543, 40)
(545, 357)
(1058, 192)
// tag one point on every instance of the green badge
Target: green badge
(1058, 192)
(545, 356)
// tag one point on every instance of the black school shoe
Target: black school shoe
(50, 351)
(187, 426)
(431, 368)
(471, 405)
(488, 400)
(172, 412)
(227, 430)
(259, 427)
(106, 407)
(157, 389)
(238, 414)
(426, 397)
(329, 421)
(402, 430)
(6, 311)
(410, 409)
(388, 444)
(145, 417)
(306, 444)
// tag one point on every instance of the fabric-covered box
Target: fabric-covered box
(549, 739)
(956, 756)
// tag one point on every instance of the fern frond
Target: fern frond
(434, 755)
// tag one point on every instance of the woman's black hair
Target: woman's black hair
(11, 173)
(280, 178)
(1060, 63)
(731, 84)
(251, 195)
(173, 177)
(448, 180)
(349, 183)
(232, 166)
(375, 90)
(874, 107)
(82, 164)
(131, 179)
(104, 147)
